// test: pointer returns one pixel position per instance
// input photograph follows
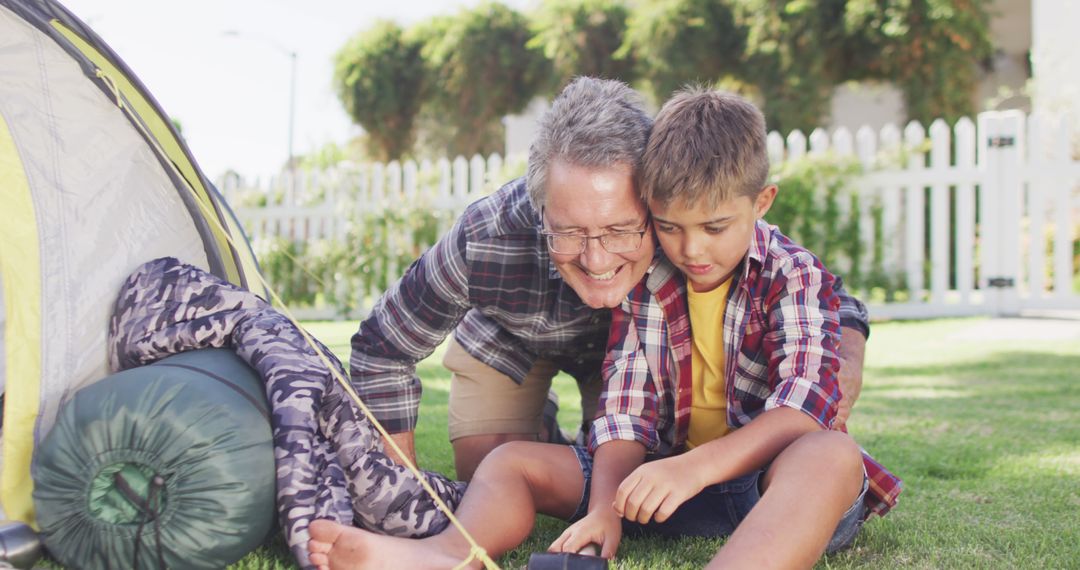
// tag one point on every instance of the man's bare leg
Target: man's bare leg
(511, 485)
(806, 491)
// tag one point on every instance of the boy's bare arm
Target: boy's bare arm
(613, 462)
(656, 489)
(852, 351)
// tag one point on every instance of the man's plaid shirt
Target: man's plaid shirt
(781, 329)
(490, 281)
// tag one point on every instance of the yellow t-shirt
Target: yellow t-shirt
(708, 408)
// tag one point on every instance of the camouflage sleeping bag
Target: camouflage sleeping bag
(329, 458)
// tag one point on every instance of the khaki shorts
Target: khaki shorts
(485, 401)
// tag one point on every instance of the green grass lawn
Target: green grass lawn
(985, 434)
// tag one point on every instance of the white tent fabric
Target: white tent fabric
(103, 202)
(94, 182)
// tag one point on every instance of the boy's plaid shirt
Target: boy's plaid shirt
(780, 340)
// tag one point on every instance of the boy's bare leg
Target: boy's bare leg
(470, 451)
(513, 483)
(806, 491)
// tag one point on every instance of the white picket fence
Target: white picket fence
(321, 204)
(979, 218)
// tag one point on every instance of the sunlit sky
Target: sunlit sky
(230, 92)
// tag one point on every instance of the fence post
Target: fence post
(477, 170)
(409, 174)
(494, 171)
(892, 204)
(819, 142)
(869, 198)
(914, 211)
(940, 262)
(445, 198)
(841, 146)
(1000, 145)
(461, 184)
(1063, 212)
(775, 145)
(1036, 208)
(796, 143)
(965, 210)
(378, 185)
(842, 142)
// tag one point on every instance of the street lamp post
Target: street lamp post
(292, 94)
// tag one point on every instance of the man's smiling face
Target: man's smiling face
(592, 201)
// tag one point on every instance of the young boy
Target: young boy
(741, 408)
(722, 432)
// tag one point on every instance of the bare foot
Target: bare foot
(324, 533)
(335, 546)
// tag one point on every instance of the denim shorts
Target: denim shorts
(718, 509)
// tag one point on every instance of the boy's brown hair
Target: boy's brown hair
(705, 145)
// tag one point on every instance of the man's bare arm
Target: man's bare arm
(852, 353)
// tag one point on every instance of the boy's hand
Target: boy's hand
(601, 526)
(654, 490)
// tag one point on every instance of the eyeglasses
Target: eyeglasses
(612, 242)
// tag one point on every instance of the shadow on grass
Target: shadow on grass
(989, 451)
(961, 420)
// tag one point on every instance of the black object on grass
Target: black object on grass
(565, 561)
(20, 546)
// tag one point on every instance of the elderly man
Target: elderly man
(524, 280)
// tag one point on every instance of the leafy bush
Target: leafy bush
(809, 208)
(344, 275)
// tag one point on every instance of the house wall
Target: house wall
(1003, 86)
(1055, 69)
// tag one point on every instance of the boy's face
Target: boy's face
(594, 201)
(707, 245)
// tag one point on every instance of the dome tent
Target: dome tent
(94, 181)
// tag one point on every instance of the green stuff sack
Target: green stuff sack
(167, 465)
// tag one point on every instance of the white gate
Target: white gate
(976, 220)
(1029, 207)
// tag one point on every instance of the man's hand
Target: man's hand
(852, 352)
(406, 442)
(601, 526)
(654, 490)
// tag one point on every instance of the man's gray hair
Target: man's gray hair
(593, 122)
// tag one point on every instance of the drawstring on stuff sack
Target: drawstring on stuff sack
(150, 509)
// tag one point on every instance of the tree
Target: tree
(787, 57)
(684, 41)
(930, 48)
(794, 52)
(581, 37)
(379, 76)
(481, 70)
